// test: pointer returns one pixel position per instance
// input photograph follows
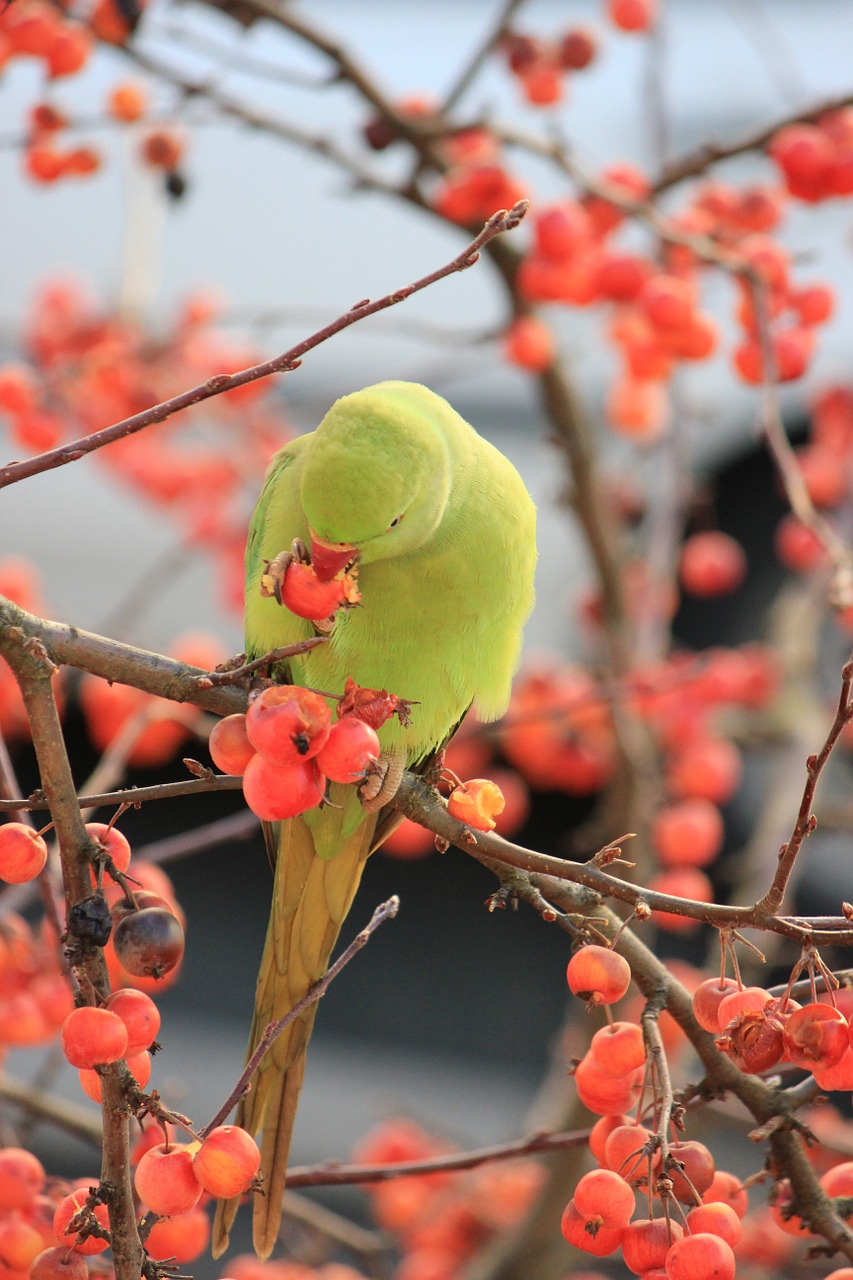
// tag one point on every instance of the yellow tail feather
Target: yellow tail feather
(311, 898)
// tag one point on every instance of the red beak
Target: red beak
(329, 558)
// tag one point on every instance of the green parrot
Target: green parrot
(443, 533)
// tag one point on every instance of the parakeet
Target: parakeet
(443, 533)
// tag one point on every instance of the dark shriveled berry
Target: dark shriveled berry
(90, 920)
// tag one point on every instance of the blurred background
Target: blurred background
(452, 1014)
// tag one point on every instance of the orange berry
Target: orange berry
(529, 343)
(711, 564)
(637, 408)
(92, 1037)
(138, 1064)
(229, 747)
(632, 15)
(127, 102)
(688, 833)
(598, 975)
(68, 51)
(22, 1178)
(23, 853)
(165, 1181)
(67, 1209)
(183, 1237)
(227, 1162)
(476, 803)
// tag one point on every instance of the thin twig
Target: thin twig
(503, 220)
(386, 911)
(694, 163)
(806, 821)
(331, 1174)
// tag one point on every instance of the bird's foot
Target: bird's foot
(273, 579)
(383, 780)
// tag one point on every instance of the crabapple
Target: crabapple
(23, 853)
(227, 1162)
(59, 1263)
(707, 999)
(711, 564)
(477, 803)
(275, 792)
(22, 1178)
(165, 1181)
(67, 1209)
(138, 1064)
(148, 943)
(140, 1016)
(350, 747)
(700, 1256)
(598, 975)
(288, 724)
(646, 1243)
(92, 1037)
(602, 1242)
(229, 746)
(113, 843)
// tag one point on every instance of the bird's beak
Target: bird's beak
(329, 558)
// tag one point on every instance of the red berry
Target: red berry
(708, 767)
(92, 1037)
(604, 1094)
(729, 1190)
(717, 1218)
(700, 1257)
(227, 1162)
(602, 1196)
(138, 1064)
(140, 1016)
(816, 1036)
(646, 1243)
(667, 301)
(165, 1181)
(707, 999)
(275, 792)
(22, 1178)
(67, 1209)
(127, 102)
(288, 724)
(696, 1175)
(59, 1263)
(114, 844)
(600, 1242)
(619, 1048)
(598, 975)
(23, 853)
(229, 746)
(182, 1238)
(529, 343)
(688, 833)
(711, 564)
(577, 49)
(626, 1152)
(633, 15)
(350, 748)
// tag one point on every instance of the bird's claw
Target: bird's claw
(382, 782)
(272, 579)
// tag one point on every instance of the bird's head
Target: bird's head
(376, 479)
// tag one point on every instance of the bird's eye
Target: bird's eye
(394, 523)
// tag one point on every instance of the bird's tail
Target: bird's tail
(312, 895)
